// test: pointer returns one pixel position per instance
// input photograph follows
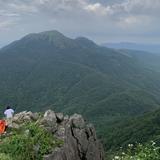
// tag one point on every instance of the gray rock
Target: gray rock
(77, 121)
(20, 118)
(59, 117)
(33, 116)
(60, 132)
(49, 121)
(66, 118)
(50, 116)
(80, 141)
(23, 117)
(14, 125)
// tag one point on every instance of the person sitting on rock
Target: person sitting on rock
(9, 112)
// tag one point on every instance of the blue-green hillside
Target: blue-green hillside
(48, 70)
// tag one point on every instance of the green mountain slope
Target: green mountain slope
(146, 59)
(141, 129)
(48, 70)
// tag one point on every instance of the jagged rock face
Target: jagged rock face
(80, 141)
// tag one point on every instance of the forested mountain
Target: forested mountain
(48, 70)
(141, 129)
(146, 59)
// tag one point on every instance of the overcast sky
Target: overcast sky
(99, 20)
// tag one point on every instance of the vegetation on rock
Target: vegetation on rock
(29, 142)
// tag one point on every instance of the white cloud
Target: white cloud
(81, 16)
(6, 24)
(98, 9)
(73, 7)
(22, 8)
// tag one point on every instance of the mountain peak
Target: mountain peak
(50, 39)
(47, 35)
(52, 33)
(43, 39)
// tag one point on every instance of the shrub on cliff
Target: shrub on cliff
(30, 142)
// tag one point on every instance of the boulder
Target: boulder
(77, 121)
(49, 121)
(21, 118)
(80, 141)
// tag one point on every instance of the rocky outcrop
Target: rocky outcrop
(80, 141)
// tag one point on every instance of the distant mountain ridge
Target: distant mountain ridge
(153, 48)
(51, 71)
